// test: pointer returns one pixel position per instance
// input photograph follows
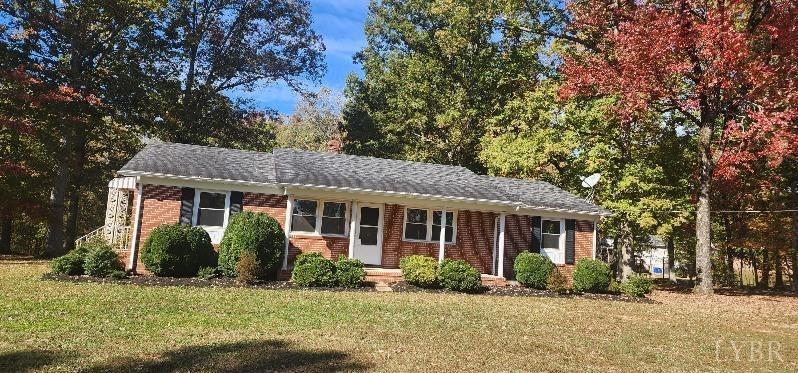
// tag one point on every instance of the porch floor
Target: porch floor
(390, 275)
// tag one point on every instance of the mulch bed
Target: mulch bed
(399, 287)
(221, 282)
(520, 291)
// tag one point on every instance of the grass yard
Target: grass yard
(47, 325)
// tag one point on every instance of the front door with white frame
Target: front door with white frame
(368, 237)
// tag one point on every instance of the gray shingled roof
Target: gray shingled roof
(368, 173)
(296, 167)
(540, 194)
(202, 161)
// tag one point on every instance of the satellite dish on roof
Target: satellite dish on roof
(590, 181)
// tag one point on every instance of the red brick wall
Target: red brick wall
(474, 242)
(519, 236)
(160, 204)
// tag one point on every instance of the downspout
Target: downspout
(134, 240)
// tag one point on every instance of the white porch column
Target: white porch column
(289, 211)
(353, 219)
(502, 219)
(442, 236)
(134, 236)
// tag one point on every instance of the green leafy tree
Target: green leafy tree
(210, 48)
(434, 72)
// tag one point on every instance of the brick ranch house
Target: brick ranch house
(375, 210)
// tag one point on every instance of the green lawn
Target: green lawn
(46, 325)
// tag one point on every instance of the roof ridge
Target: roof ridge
(331, 154)
(213, 147)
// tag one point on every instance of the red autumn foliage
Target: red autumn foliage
(731, 62)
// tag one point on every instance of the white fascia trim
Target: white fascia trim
(569, 211)
(195, 178)
(516, 205)
(402, 194)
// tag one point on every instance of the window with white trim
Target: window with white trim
(333, 218)
(425, 225)
(303, 216)
(553, 240)
(319, 217)
(212, 209)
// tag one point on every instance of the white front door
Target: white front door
(368, 237)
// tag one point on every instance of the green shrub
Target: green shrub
(248, 268)
(458, 275)
(117, 275)
(557, 282)
(312, 269)
(420, 270)
(636, 286)
(69, 264)
(591, 276)
(208, 273)
(533, 270)
(256, 233)
(349, 273)
(177, 250)
(101, 260)
(614, 287)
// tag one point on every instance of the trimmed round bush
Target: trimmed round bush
(533, 270)
(420, 270)
(101, 261)
(312, 269)
(349, 273)
(636, 286)
(591, 276)
(459, 275)
(256, 233)
(177, 250)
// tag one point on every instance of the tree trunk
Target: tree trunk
(794, 281)
(74, 197)
(755, 269)
(625, 248)
(764, 281)
(779, 273)
(55, 218)
(671, 259)
(6, 227)
(703, 249)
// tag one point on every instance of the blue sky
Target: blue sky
(340, 23)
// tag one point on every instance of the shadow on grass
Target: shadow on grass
(27, 360)
(246, 356)
(684, 287)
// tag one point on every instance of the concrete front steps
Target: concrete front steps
(390, 275)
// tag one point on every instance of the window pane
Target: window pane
(368, 235)
(305, 207)
(303, 223)
(436, 233)
(551, 226)
(551, 241)
(370, 216)
(417, 216)
(212, 200)
(416, 231)
(211, 218)
(333, 225)
(436, 218)
(334, 210)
